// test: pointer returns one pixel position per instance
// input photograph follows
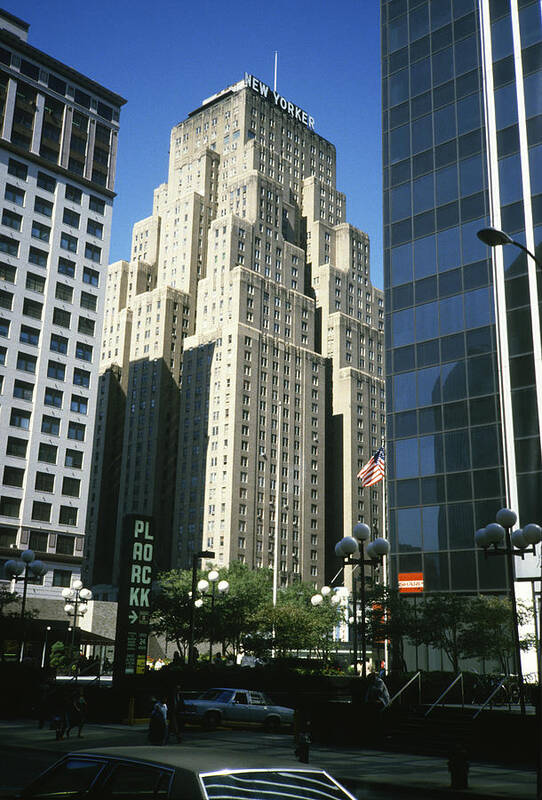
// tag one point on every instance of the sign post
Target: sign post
(134, 602)
(411, 583)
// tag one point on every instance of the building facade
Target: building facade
(58, 145)
(462, 150)
(251, 296)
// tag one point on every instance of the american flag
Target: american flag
(374, 469)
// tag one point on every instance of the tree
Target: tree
(489, 632)
(389, 616)
(440, 621)
(7, 599)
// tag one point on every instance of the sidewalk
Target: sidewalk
(419, 775)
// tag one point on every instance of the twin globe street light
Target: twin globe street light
(20, 569)
(352, 550)
(77, 598)
(223, 588)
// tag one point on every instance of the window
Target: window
(92, 252)
(4, 327)
(76, 430)
(67, 516)
(47, 453)
(13, 476)
(95, 204)
(61, 317)
(6, 299)
(9, 246)
(36, 283)
(40, 231)
(9, 506)
(23, 390)
(59, 344)
(42, 206)
(7, 272)
(31, 308)
(45, 482)
(91, 276)
(70, 487)
(41, 511)
(83, 351)
(11, 220)
(20, 418)
(56, 370)
(50, 425)
(17, 169)
(73, 194)
(79, 404)
(16, 447)
(88, 301)
(46, 182)
(64, 292)
(81, 377)
(26, 362)
(86, 326)
(14, 195)
(38, 257)
(66, 267)
(65, 544)
(62, 577)
(53, 397)
(73, 459)
(68, 242)
(71, 218)
(95, 229)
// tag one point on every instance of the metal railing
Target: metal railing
(445, 692)
(492, 695)
(418, 677)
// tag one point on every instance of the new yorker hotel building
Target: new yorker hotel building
(274, 336)
(58, 138)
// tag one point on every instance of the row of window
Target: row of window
(49, 184)
(56, 370)
(47, 453)
(44, 482)
(20, 418)
(10, 507)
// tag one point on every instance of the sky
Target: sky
(166, 56)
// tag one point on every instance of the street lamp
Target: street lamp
(193, 601)
(491, 539)
(352, 550)
(77, 599)
(20, 570)
(223, 587)
(493, 237)
(44, 652)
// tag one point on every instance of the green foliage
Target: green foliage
(62, 656)
(8, 602)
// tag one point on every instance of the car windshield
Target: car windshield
(70, 778)
(272, 785)
(218, 695)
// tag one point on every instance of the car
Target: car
(191, 774)
(217, 706)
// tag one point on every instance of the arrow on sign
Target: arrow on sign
(133, 617)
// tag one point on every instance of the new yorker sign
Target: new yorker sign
(279, 101)
(134, 609)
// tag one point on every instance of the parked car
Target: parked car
(217, 706)
(173, 772)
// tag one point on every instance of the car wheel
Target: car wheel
(272, 724)
(211, 721)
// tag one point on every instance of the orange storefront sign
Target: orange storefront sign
(410, 582)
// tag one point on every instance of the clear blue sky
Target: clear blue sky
(165, 56)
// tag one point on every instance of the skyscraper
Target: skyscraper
(57, 159)
(462, 150)
(247, 291)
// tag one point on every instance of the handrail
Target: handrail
(491, 696)
(445, 692)
(417, 676)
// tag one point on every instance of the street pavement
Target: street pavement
(387, 774)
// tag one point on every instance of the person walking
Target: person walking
(77, 714)
(175, 715)
(158, 729)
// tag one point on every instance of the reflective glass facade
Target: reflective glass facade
(462, 144)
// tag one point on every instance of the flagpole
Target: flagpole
(385, 580)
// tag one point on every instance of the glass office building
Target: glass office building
(462, 121)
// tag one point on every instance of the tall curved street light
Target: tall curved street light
(352, 550)
(20, 569)
(494, 237)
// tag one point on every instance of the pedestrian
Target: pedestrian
(175, 715)
(59, 719)
(158, 729)
(377, 695)
(77, 713)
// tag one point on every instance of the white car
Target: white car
(217, 706)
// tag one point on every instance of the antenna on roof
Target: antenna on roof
(275, 78)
